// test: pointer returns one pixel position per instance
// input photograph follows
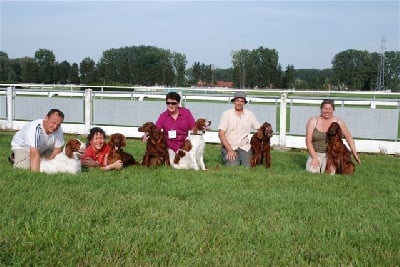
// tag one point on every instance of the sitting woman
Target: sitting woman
(316, 141)
(97, 151)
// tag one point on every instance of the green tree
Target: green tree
(4, 67)
(353, 70)
(392, 70)
(15, 71)
(240, 61)
(223, 74)
(63, 72)
(179, 63)
(256, 68)
(196, 73)
(266, 65)
(313, 79)
(88, 71)
(46, 63)
(288, 78)
(29, 70)
(73, 74)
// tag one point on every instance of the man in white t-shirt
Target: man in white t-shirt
(234, 129)
(38, 138)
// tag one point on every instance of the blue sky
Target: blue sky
(306, 34)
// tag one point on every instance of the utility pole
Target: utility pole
(380, 79)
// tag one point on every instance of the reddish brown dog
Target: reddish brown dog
(156, 147)
(338, 155)
(117, 143)
(261, 146)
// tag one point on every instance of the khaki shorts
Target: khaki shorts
(22, 157)
(321, 168)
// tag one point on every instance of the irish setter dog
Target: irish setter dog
(261, 146)
(338, 155)
(116, 143)
(156, 153)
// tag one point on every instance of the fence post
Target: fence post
(10, 107)
(88, 109)
(282, 121)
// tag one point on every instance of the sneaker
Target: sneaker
(11, 158)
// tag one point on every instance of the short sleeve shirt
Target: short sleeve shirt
(98, 156)
(181, 126)
(34, 135)
(237, 128)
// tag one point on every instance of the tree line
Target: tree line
(257, 68)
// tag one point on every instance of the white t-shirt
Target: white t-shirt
(33, 135)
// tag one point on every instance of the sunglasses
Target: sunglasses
(171, 103)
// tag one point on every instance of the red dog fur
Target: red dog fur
(338, 155)
(156, 147)
(261, 146)
(116, 143)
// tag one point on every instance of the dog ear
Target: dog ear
(123, 140)
(68, 149)
(187, 145)
(111, 141)
(180, 154)
(260, 132)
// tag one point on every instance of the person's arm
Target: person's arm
(349, 139)
(35, 159)
(309, 131)
(115, 166)
(55, 152)
(89, 162)
(231, 153)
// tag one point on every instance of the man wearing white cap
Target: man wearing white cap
(234, 130)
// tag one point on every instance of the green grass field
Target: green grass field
(281, 216)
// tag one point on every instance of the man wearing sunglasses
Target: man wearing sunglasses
(176, 122)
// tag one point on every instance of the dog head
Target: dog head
(334, 130)
(117, 141)
(265, 131)
(147, 128)
(74, 148)
(151, 131)
(201, 126)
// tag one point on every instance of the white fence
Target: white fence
(375, 129)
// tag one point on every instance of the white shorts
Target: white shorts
(322, 164)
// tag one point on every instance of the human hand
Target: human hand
(88, 162)
(315, 163)
(117, 165)
(357, 159)
(231, 155)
